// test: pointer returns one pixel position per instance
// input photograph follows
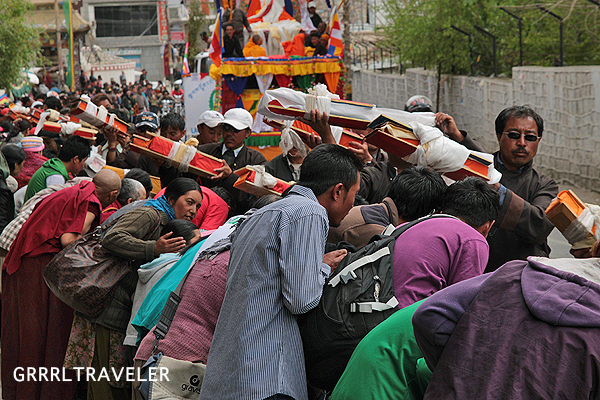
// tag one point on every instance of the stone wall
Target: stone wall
(567, 98)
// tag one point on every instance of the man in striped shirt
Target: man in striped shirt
(276, 271)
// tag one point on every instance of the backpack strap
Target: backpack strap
(347, 274)
(369, 307)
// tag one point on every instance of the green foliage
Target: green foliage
(19, 42)
(425, 32)
(195, 25)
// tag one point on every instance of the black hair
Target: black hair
(180, 228)
(360, 201)
(417, 191)
(14, 155)
(53, 103)
(327, 165)
(227, 198)
(23, 125)
(180, 186)
(265, 201)
(472, 200)
(518, 112)
(74, 146)
(172, 119)
(100, 97)
(141, 176)
(11, 129)
(128, 190)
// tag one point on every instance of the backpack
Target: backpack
(357, 296)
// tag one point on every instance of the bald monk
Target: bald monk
(36, 324)
(253, 47)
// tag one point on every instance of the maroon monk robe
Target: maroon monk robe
(36, 325)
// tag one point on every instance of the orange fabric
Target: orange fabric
(295, 47)
(251, 49)
(332, 79)
(285, 16)
(253, 8)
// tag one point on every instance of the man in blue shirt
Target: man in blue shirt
(277, 270)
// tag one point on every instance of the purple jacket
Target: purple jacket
(530, 330)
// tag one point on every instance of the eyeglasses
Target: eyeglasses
(230, 128)
(517, 135)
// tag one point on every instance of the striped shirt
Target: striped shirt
(276, 271)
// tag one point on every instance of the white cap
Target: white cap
(210, 118)
(311, 4)
(239, 118)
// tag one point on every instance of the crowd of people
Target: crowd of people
(477, 318)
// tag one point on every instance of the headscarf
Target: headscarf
(163, 205)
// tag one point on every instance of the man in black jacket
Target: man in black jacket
(237, 126)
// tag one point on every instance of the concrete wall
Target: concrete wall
(567, 98)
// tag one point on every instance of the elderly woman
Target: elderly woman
(134, 236)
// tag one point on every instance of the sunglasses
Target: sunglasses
(230, 128)
(517, 135)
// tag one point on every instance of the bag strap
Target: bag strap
(168, 313)
(402, 228)
(347, 273)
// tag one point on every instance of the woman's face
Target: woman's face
(18, 168)
(187, 205)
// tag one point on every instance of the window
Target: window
(126, 21)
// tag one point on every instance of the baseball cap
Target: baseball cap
(32, 143)
(210, 118)
(239, 118)
(311, 4)
(147, 118)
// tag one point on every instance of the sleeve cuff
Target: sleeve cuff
(502, 193)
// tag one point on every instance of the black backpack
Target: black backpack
(358, 296)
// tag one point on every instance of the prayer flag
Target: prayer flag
(186, 65)
(68, 11)
(216, 44)
(4, 99)
(336, 46)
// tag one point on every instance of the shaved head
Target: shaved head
(108, 185)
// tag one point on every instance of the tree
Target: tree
(19, 41)
(195, 24)
(434, 32)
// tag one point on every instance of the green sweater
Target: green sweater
(38, 181)
(387, 364)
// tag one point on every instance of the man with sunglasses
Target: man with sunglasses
(521, 229)
(236, 127)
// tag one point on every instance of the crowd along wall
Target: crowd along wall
(568, 99)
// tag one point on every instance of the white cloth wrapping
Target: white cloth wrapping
(582, 226)
(289, 139)
(54, 116)
(20, 109)
(262, 177)
(100, 117)
(441, 154)
(69, 128)
(294, 99)
(444, 154)
(40, 124)
(187, 157)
